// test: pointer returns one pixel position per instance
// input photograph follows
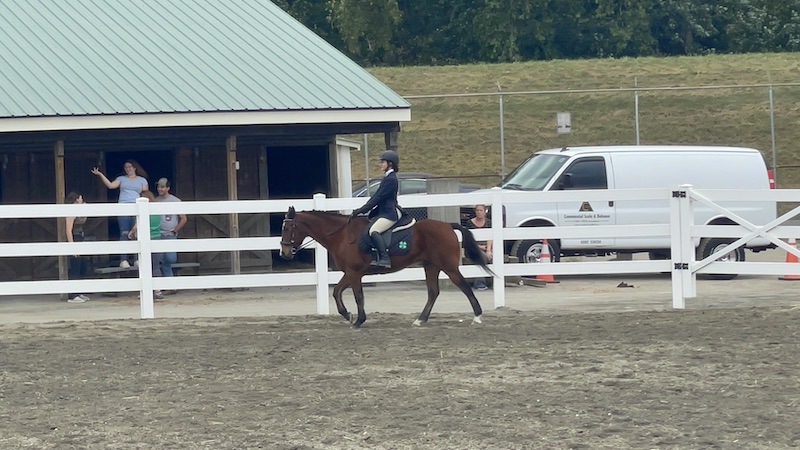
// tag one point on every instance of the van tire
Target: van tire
(528, 250)
(711, 245)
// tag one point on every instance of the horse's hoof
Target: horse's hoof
(417, 323)
(477, 319)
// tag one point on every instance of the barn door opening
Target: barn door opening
(296, 172)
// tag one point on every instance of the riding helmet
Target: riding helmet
(391, 156)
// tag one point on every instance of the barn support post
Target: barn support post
(233, 194)
(263, 193)
(391, 140)
(61, 187)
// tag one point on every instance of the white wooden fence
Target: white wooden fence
(683, 234)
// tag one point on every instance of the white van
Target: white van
(633, 167)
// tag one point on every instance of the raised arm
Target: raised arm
(109, 184)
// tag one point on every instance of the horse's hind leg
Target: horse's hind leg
(432, 282)
(466, 288)
(337, 297)
(358, 293)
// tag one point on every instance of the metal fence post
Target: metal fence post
(502, 138)
(772, 134)
(636, 109)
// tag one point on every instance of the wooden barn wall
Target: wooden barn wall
(209, 182)
(29, 178)
(198, 173)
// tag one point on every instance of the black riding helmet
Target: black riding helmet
(391, 156)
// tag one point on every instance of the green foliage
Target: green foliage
(366, 26)
(435, 32)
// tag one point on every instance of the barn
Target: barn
(228, 100)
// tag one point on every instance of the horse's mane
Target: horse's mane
(323, 213)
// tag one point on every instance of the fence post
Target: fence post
(636, 109)
(502, 137)
(145, 259)
(498, 248)
(321, 264)
(687, 241)
(772, 134)
(682, 249)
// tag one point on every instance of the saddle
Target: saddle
(397, 238)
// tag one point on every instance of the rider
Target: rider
(385, 203)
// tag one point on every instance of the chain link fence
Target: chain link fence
(480, 137)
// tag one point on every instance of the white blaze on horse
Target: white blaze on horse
(431, 242)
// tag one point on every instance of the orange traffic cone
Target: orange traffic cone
(791, 258)
(544, 258)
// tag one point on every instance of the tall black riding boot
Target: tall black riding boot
(380, 246)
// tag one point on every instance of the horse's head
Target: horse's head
(289, 238)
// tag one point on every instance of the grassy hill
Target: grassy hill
(460, 136)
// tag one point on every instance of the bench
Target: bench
(119, 271)
(113, 270)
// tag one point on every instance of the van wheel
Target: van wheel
(709, 246)
(530, 251)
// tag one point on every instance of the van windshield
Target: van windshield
(534, 173)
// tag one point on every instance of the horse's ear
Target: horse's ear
(290, 214)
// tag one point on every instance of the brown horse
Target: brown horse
(433, 243)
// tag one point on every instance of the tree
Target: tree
(366, 27)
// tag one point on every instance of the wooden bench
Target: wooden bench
(116, 272)
(120, 270)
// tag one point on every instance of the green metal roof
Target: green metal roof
(100, 57)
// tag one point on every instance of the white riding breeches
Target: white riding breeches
(381, 225)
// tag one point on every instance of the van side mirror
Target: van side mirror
(565, 182)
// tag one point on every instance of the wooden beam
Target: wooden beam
(61, 226)
(233, 194)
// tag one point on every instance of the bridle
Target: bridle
(291, 243)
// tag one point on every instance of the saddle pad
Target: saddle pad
(400, 245)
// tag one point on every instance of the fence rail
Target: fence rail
(682, 232)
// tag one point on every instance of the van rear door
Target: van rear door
(586, 173)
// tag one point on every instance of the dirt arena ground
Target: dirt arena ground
(706, 378)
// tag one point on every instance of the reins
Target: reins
(311, 239)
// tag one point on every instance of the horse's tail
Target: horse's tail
(471, 249)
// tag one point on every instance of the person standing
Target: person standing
(78, 264)
(155, 222)
(130, 186)
(384, 202)
(481, 221)
(170, 225)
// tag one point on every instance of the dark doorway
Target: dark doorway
(157, 164)
(296, 172)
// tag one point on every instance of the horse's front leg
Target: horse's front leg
(337, 297)
(358, 293)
